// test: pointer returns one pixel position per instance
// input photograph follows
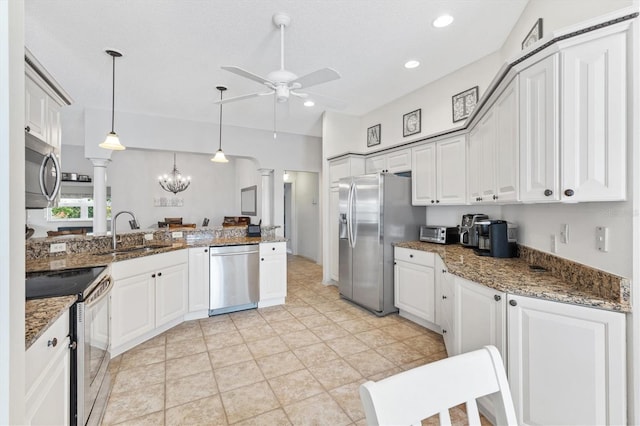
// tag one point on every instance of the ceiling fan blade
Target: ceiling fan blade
(239, 98)
(321, 99)
(249, 75)
(317, 77)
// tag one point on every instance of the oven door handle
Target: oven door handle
(103, 293)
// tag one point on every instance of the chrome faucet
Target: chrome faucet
(113, 225)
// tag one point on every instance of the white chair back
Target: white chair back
(414, 395)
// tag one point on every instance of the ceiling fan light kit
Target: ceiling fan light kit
(112, 141)
(220, 157)
(283, 83)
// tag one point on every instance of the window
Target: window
(76, 204)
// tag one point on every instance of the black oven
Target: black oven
(90, 334)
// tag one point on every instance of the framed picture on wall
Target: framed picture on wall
(373, 135)
(463, 103)
(411, 123)
(534, 35)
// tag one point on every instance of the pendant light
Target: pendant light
(113, 141)
(219, 157)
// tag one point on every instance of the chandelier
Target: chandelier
(174, 181)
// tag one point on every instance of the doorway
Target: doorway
(302, 214)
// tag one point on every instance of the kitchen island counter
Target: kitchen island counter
(561, 281)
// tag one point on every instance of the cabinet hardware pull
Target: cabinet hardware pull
(497, 297)
(444, 297)
(495, 197)
(444, 331)
(73, 346)
(444, 271)
(28, 129)
(548, 192)
(569, 192)
(437, 201)
(159, 274)
(432, 201)
(262, 259)
(206, 251)
(273, 248)
(153, 275)
(53, 342)
(411, 256)
(513, 302)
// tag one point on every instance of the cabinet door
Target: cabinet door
(273, 276)
(594, 120)
(334, 234)
(539, 130)
(414, 287)
(35, 109)
(133, 308)
(473, 159)
(479, 317)
(451, 181)
(566, 363)
(423, 175)
(399, 161)
(172, 293)
(48, 403)
(198, 279)
(375, 164)
(54, 128)
(487, 157)
(447, 306)
(506, 144)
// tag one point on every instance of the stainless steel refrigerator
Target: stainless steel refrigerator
(375, 211)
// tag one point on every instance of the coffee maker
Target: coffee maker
(497, 238)
(468, 229)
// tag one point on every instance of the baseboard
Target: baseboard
(426, 324)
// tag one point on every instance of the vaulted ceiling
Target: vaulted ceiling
(173, 51)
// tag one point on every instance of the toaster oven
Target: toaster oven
(439, 234)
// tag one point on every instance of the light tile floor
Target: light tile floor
(300, 363)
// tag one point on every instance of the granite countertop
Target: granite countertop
(41, 313)
(515, 276)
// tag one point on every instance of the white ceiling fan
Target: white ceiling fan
(283, 82)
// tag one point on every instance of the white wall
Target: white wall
(133, 178)
(12, 354)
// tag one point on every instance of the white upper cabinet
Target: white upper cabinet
(393, 162)
(345, 167)
(539, 132)
(594, 119)
(35, 102)
(438, 172)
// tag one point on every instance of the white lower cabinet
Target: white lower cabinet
(48, 375)
(566, 363)
(149, 295)
(414, 283)
(273, 274)
(445, 299)
(199, 280)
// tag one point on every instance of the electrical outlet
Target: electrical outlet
(176, 234)
(57, 247)
(602, 238)
(564, 234)
(554, 243)
(148, 237)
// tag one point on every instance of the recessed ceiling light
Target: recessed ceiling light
(412, 64)
(442, 21)
(309, 103)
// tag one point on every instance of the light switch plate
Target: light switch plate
(602, 238)
(57, 247)
(148, 237)
(564, 234)
(176, 234)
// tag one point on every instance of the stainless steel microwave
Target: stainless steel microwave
(42, 174)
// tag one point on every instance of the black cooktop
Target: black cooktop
(66, 282)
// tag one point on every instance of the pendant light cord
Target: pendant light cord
(113, 91)
(220, 146)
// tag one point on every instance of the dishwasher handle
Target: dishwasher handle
(234, 253)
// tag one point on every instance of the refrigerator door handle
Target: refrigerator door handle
(352, 211)
(349, 216)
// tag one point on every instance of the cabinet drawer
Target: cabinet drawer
(40, 354)
(414, 256)
(267, 249)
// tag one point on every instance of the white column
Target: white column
(266, 182)
(99, 195)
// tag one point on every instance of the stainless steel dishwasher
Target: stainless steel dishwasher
(234, 278)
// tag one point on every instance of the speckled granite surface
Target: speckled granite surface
(565, 281)
(41, 313)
